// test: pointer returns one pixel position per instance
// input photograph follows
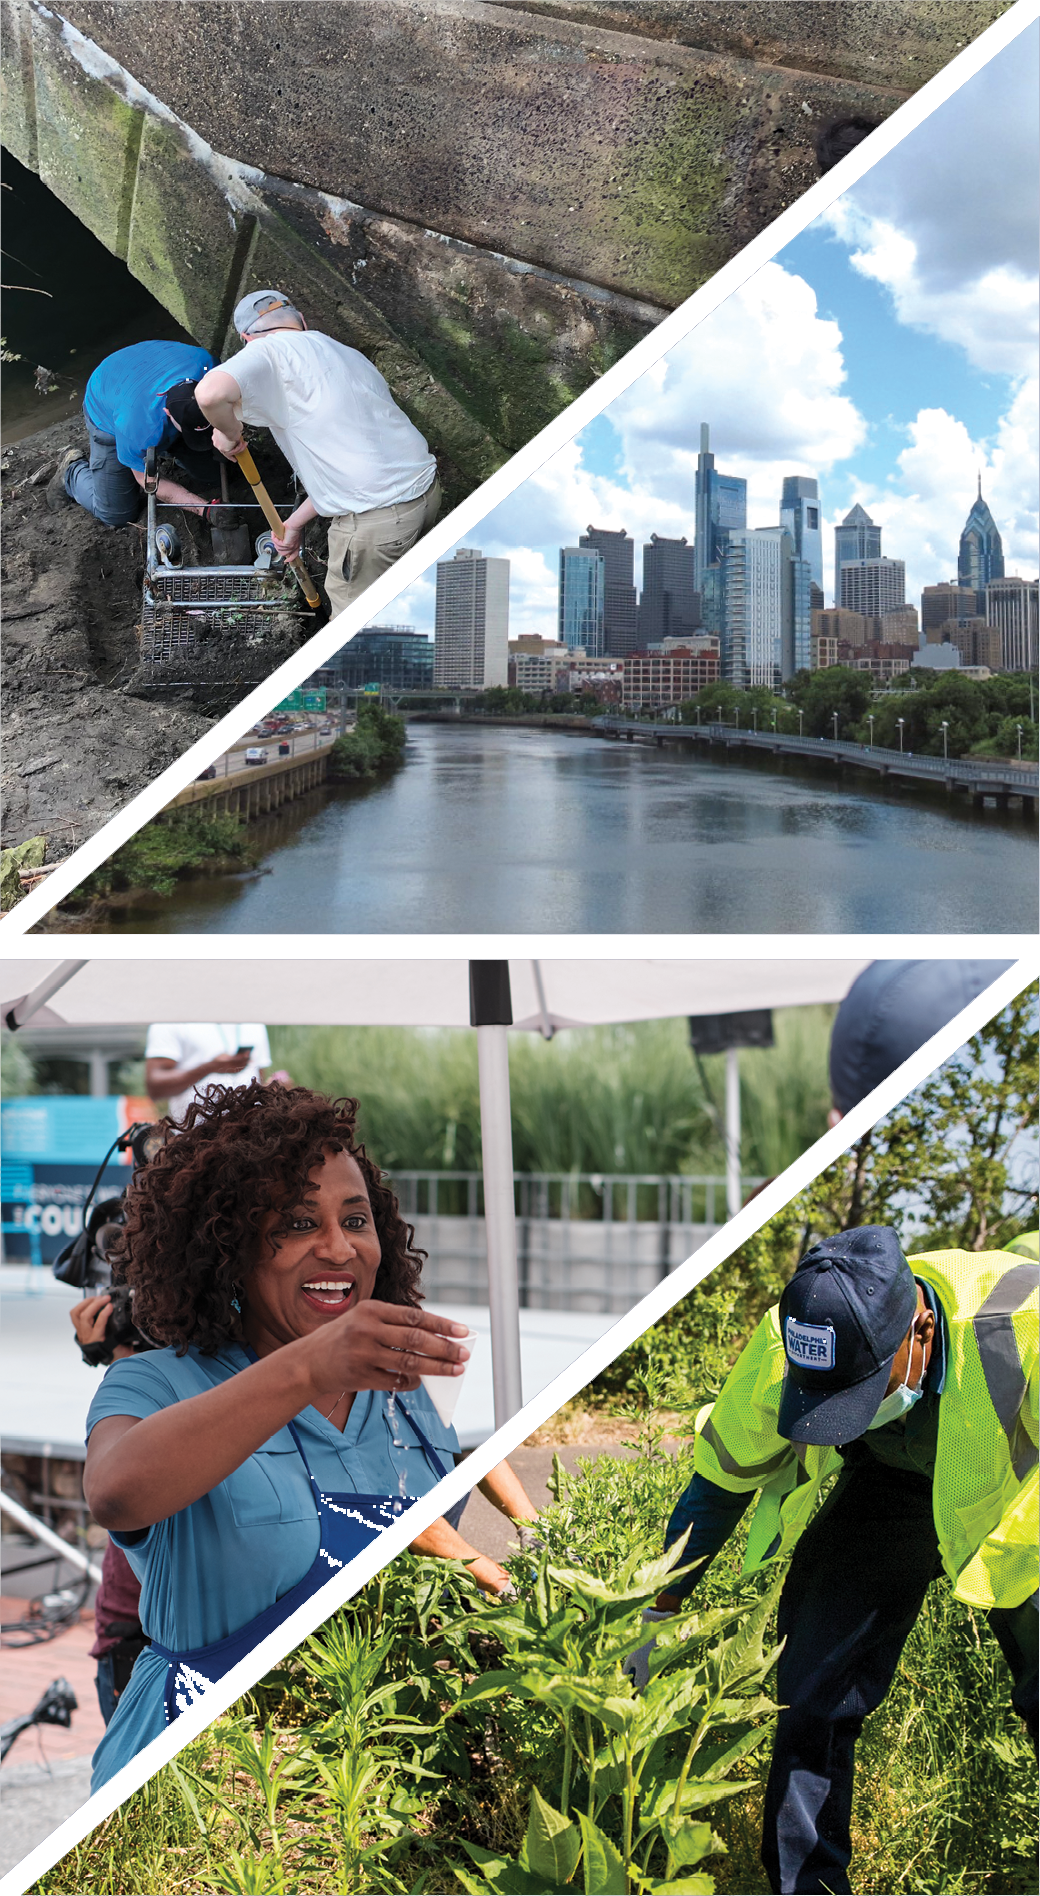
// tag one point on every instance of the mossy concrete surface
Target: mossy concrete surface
(897, 43)
(530, 135)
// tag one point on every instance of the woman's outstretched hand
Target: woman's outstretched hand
(383, 1346)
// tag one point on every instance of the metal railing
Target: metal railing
(1013, 776)
(585, 1241)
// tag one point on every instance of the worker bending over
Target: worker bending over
(916, 1383)
(356, 454)
(139, 398)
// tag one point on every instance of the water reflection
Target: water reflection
(506, 829)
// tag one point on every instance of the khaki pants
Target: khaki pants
(363, 545)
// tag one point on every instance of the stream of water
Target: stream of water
(506, 829)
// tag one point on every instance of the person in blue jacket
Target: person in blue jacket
(283, 1424)
(139, 398)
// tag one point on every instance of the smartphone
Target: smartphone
(243, 1049)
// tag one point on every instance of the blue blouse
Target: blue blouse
(209, 1569)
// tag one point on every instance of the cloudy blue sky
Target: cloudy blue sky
(890, 350)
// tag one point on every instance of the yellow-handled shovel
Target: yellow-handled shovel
(274, 519)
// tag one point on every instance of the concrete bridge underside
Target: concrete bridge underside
(492, 201)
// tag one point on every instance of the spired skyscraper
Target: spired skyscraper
(980, 557)
(721, 509)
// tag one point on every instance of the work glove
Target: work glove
(637, 1665)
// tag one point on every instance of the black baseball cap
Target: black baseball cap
(185, 411)
(843, 1316)
(890, 1010)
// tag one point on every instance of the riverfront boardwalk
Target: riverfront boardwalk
(256, 789)
(984, 782)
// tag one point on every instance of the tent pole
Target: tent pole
(491, 1014)
(732, 1131)
(41, 994)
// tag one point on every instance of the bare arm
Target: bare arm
(444, 1542)
(142, 1470)
(172, 494)
(289, 540)
(163, 1078)
(502, 1488)
(217, 394)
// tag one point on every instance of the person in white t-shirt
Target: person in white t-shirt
(359, 458)
(181, 1060)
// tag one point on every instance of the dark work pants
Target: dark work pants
(109, 491)
(855, 1587)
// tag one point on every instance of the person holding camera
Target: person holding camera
(252, 1451)
(118, 1633)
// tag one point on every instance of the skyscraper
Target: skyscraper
(873, 586)
(1011, 606)
(800, 514)
(767, 625)
(472, 621)
(721, 509)
(582, 589)
(669, 607)
(857, 538)
(620, 629)
(980, 557)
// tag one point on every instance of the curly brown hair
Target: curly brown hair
(193, 1213)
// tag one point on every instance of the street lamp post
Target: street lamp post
(834, 716)
(801, 715)
(900, 722)
(870, 721)
(1018, 728)
(944, 727)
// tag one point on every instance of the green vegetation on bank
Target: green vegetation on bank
(982, 715)
(177, 844)
(593, 1099)
(376, 743)
(505, 701)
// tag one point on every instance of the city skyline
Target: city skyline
(888, 352)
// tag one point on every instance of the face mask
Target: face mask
(902, 1399)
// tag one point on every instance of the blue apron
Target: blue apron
(347, 1523)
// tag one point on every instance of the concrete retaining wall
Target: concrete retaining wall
(258, 789)
(492, 201)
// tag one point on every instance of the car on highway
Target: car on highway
(256, 754)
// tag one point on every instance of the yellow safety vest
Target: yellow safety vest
(985, 1485)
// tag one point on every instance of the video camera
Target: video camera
(86, 1263)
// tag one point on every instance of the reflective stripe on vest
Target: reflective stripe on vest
(1002, 1363)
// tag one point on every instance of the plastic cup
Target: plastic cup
(444, 1391)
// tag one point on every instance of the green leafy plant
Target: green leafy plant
(636, 1768)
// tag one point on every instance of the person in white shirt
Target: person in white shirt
(181, 1060)
(359, 458)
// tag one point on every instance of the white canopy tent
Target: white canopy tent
(494, 997)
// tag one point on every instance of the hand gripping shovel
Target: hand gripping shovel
(299, 571)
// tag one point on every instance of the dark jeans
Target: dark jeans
(855, 1587)
(106, 1686)
(110, 492)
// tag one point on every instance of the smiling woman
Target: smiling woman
(249, 1454)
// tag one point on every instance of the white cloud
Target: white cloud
(924, 506)
(991, 315)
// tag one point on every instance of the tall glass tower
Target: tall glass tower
(980, 557)
(857, 538)
(800, 515)
(721, 509)
(582, 596)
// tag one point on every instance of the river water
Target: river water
(506, 829)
